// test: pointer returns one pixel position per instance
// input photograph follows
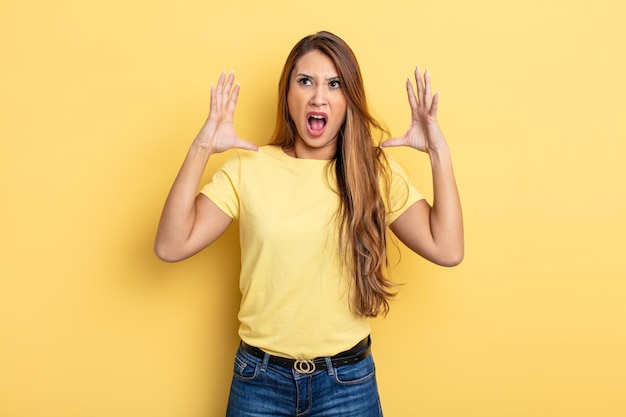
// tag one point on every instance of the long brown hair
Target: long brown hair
(361, 169)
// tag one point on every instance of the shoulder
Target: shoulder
(394, 173)
(242, 157)
(401, 192)
(395, 168)
(268, 162)
(265, 154)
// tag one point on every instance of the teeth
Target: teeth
(315, 116)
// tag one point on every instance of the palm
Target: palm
(424, 133)
(224, 136)
(218, 133)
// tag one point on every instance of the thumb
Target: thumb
(244, 144)
(393, 142)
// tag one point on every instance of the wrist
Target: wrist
(199, 152)
(439, 154)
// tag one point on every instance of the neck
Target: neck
(302, 151)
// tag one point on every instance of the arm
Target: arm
(434, 232)
(190, 222)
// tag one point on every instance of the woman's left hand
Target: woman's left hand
(424, 133)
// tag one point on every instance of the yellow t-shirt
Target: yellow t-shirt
(295, 288)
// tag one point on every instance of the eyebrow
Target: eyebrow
(303, 74)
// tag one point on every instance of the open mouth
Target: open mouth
(316, 123)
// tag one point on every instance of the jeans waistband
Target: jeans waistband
(355, 354)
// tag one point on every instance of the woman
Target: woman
(313, 208)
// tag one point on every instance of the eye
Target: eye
(334, 84)
(304, 81)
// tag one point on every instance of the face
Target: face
(317, 106)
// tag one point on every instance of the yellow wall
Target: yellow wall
(100, 100)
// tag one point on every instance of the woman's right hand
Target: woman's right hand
(218, 133)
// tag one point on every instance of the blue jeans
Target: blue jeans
(260, 389)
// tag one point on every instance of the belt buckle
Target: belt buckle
(304, 366)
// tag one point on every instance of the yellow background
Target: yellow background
(100, 100)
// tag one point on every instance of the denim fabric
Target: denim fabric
(260, 389)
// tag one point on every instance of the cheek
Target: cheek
(292, 119)
(292, 105)
(343, 110)
(341, 103)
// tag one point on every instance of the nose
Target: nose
(319, 96)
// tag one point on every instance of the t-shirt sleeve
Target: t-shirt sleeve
(223, 188)
(402, 193)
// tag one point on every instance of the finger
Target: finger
(229, 83)
(411, 94)
(232, 101)
(433, 106)
(244, 144)
(427, 90)
(212, 103)
(400, 141)
(219, 90)
(420, 85)
(220, 82)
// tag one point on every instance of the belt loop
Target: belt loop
(266, 359)
(329, 366)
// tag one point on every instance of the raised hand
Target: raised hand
(218, 132)
(424, 133)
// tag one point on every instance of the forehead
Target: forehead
(315, 63)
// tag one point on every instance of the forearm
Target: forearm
(179, 212)
(446, 218)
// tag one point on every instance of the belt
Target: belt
(357, 353)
